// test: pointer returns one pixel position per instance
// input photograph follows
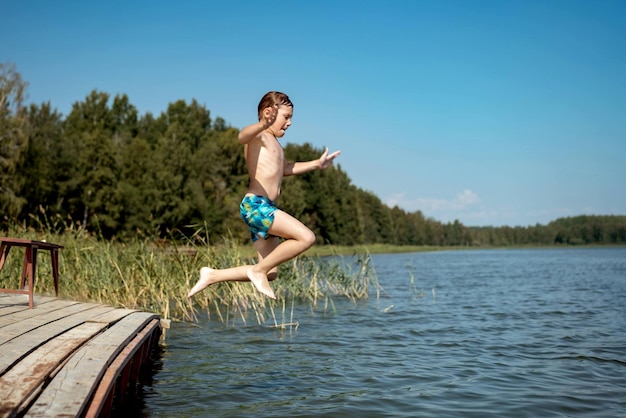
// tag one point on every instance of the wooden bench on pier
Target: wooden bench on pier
(29, 268)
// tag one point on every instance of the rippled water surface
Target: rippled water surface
(511, 333)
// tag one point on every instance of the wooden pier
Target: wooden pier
(70, 359)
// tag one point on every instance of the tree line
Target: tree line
(108, 169)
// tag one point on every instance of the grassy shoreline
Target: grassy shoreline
(156, 277)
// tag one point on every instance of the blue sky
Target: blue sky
(490, 112)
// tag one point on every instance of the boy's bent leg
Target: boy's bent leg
(203, 282)
(298, 239)
(271, 253)
(263, 248)
(209, 276)
(259, 277)
(260, 281)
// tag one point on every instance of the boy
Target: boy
(267, 223)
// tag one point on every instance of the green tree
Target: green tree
(45, 130)
(89, 173)
(13, 139)
(375, 220)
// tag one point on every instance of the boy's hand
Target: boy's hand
(327, 160)
(269, 116)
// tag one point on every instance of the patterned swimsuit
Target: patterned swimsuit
(258, 213)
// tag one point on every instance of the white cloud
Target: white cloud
(465, 206)
(469, 209)
(467, 198)
(431, 205)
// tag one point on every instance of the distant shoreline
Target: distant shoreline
(329, 250)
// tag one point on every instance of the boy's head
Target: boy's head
(273, 98)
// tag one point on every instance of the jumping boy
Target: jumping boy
(267, 223)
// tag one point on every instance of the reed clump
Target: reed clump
(155, 276)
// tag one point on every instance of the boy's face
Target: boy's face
(283, 120)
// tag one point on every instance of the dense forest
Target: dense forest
(107, 169)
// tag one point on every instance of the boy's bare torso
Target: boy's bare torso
(266, 161)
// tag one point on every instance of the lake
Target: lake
(511, 333)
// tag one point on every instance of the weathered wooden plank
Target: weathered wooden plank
(15, 329)
(107, 383)
(113, 316)
(26, 379)
(71, 389)
(9, 309)
(10, 299)
(15, 303)
(40, 311)
(20, 300)
(23, 344)
(17, 299)
(16, 314)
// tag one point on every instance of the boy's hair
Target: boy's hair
(273, 98)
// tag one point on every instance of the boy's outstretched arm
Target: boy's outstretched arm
(325, 161)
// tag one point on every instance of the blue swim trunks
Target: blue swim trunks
(258, 213)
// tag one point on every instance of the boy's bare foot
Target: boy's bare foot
(203, 282)
(259, 280)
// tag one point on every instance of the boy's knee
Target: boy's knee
(309, 239)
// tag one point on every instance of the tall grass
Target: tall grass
(156, 276)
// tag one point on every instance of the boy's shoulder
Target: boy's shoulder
(267, 139)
